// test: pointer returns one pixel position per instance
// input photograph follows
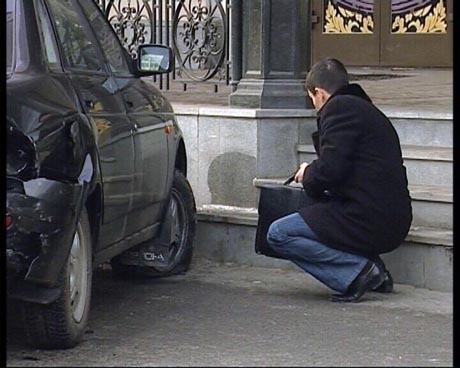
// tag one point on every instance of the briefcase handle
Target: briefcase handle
(290, 179)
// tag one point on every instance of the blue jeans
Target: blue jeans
(292, 238)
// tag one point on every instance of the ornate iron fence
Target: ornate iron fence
(197, 30)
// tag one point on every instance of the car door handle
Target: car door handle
(129, 103)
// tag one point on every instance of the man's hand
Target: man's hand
(299, 174)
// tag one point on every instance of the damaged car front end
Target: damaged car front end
(50, 173)
(46, 156)
(51, 169)
(41, 211)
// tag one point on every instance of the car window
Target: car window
(46, 34)
(110, 45)
(9, 34)
(75, 39)
(17, 45)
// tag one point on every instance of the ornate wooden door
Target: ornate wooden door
(416, 33)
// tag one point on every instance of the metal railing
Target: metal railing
(197, 30)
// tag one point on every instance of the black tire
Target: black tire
(61, 324)
(184, 220)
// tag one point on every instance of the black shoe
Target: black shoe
(387, 285)
(369, 278)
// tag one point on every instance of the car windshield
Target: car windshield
(9, 34)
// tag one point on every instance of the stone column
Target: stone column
(275, 54)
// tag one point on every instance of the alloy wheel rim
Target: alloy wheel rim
(78, 276)
(179, 216)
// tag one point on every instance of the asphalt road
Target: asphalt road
(230, 315)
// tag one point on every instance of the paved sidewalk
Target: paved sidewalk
(228, 315)
(404, 89)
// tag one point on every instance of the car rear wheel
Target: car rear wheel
(183, 211)
(61, 324)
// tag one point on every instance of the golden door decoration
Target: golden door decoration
(348, 16)
(407, 16)
(418, 16)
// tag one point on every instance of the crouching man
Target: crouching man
(362, 207)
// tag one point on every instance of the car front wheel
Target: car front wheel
(184, 223)
(61, 324)
(183, 210)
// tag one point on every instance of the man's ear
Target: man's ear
(323, 93)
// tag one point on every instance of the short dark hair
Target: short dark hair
(329, 74)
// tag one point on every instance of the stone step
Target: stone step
(428, 165)
(424, 164)
(432, 206)
(227, 234)
(428, 153)
(249, 217)
(423, 129)
(412, 128)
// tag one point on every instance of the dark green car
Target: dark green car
(96, 165)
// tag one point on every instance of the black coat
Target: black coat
(368, 206)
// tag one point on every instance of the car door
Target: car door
(102, 101)
(151, 150)
(144, 108)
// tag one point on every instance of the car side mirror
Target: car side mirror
(155, 59)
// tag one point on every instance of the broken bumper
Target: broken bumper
(43, 214)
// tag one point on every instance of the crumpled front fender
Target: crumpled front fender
(49, 210)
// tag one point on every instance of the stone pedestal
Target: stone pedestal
(275, 54)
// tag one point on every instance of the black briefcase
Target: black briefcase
(275, 201)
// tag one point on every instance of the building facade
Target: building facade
(386, 33)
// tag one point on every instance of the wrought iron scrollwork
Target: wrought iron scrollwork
(198, 32)
(199, 38)
(132, 20)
